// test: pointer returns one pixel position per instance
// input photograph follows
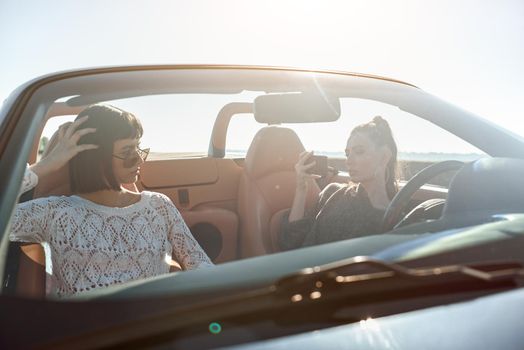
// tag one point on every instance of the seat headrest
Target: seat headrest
(487, 185)
(273, 149)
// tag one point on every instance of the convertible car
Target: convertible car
(446, 273)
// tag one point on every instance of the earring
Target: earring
(387, 175)
(376, 173)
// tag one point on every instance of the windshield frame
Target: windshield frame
(29, 104)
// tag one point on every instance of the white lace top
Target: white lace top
(94, 246)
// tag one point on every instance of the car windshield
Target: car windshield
(219, 198)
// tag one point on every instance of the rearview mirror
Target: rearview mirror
(303, 107)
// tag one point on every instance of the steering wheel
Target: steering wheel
(395, 208)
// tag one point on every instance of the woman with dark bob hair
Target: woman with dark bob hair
(103, 234)
(345, 211)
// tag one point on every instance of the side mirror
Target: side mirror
(302, 107)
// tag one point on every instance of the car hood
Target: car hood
(492, 322)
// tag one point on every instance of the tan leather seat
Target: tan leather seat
(267, 187)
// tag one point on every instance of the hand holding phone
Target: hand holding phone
(320, 168)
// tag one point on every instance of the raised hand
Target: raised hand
(301, 168)
(66, 147)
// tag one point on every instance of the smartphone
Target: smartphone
(320, 167)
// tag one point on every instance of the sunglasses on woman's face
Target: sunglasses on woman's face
(131, 158)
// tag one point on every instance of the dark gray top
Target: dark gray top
(342, 212)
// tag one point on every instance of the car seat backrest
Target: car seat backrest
(267, 188)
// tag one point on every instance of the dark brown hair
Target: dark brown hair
(380, 134)
(92, 170)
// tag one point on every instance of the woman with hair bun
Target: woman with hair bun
(345, 211)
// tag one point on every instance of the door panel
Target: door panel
(216, 230)
(205, 192)
(192, 182)
(159, 174)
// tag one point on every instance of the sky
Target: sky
(470, 53)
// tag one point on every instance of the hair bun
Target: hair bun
(381, 122)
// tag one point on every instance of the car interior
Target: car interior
(234, 204)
